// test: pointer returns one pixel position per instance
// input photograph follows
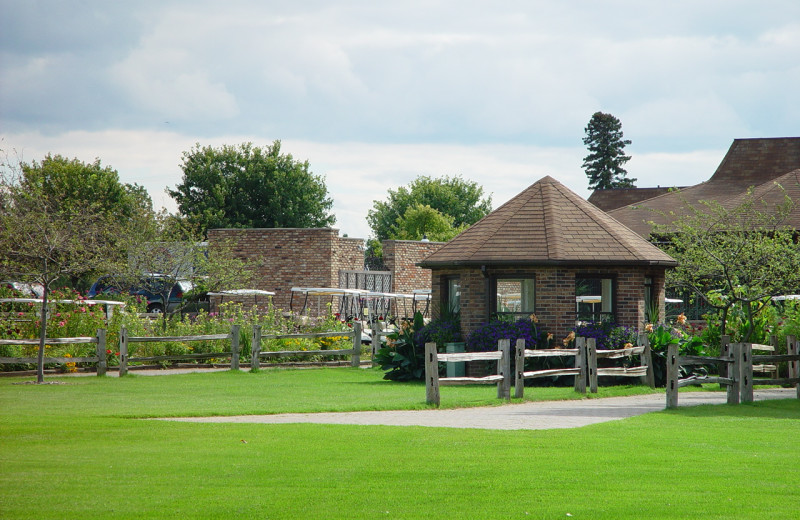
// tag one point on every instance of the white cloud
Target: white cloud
(356, 173)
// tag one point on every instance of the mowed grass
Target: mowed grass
(81, 450)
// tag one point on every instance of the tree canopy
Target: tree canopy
(604, 164)
(422, 221)
(249, 186)
(740, 255)
(459, 202)
(71, 184)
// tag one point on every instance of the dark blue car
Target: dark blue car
(150, 287)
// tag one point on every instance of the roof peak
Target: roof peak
(547, 223)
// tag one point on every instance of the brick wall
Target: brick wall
(555, 294)
(292, 257)
(401, 257)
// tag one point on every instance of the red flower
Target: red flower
(349, 324)
(108, 351)
(116, 353)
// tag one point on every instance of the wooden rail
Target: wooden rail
(354, 352)
(586, 356)
(502, 378)
(100, 347)
(124, 340)
(579, 371)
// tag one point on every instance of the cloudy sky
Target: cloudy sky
(373, 94)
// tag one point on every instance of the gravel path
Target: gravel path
(525, 416)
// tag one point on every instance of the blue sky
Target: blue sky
(373, 94)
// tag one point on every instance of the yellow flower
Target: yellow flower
(681, 319)
(648, 328)
(628, 345)
(533, 318)
(569, 338)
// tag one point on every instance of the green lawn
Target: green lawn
(78, 450)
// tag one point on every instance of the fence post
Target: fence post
(773, 340)
(235, 347)
(504, 369)
(733, 352)
(647, 358)
(255, 349)
(725, 368)
(793, 349)
(519, 368)
(355, 360)
(580, 364)
(102, 355)
(672, 375)
(431, 374)
(746, 366)
(123, 351)
(591, 358)
(376, 344)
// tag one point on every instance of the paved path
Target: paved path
(525, 416)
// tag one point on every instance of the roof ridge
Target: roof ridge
(604, 220)
(553, 238)
(491, 221)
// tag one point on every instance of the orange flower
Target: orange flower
(569, 338)
(648, 327)
(681, 319)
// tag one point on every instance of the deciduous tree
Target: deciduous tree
(453, 197)
(45, 236)
(422, 221)
(744, 254)
(249, 186)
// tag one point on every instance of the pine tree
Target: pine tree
(604, 164)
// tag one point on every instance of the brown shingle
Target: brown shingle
(748, 163)
(547, 224)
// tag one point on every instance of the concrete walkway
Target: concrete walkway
(525, 416)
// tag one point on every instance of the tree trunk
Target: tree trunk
(750, 324)
(42, 336)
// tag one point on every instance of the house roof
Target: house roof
(611, 199)
(547, 224)
(749, 163)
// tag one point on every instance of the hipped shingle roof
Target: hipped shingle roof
(548, 224)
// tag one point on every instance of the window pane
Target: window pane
(515, 295)
(454, 294)
(594, 299)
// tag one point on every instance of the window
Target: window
(453, 294)
(515, 297)
(594, 298)
(650, 303)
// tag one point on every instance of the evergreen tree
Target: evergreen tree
(604, 164)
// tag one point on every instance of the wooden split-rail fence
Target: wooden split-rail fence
(737, 365)
(232, 338)
(354, 352)
(585, 366)
(100, 347)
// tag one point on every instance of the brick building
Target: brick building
(401, 258)
(549, 252)
(757, 164)
(286, 258)
(292, 257)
